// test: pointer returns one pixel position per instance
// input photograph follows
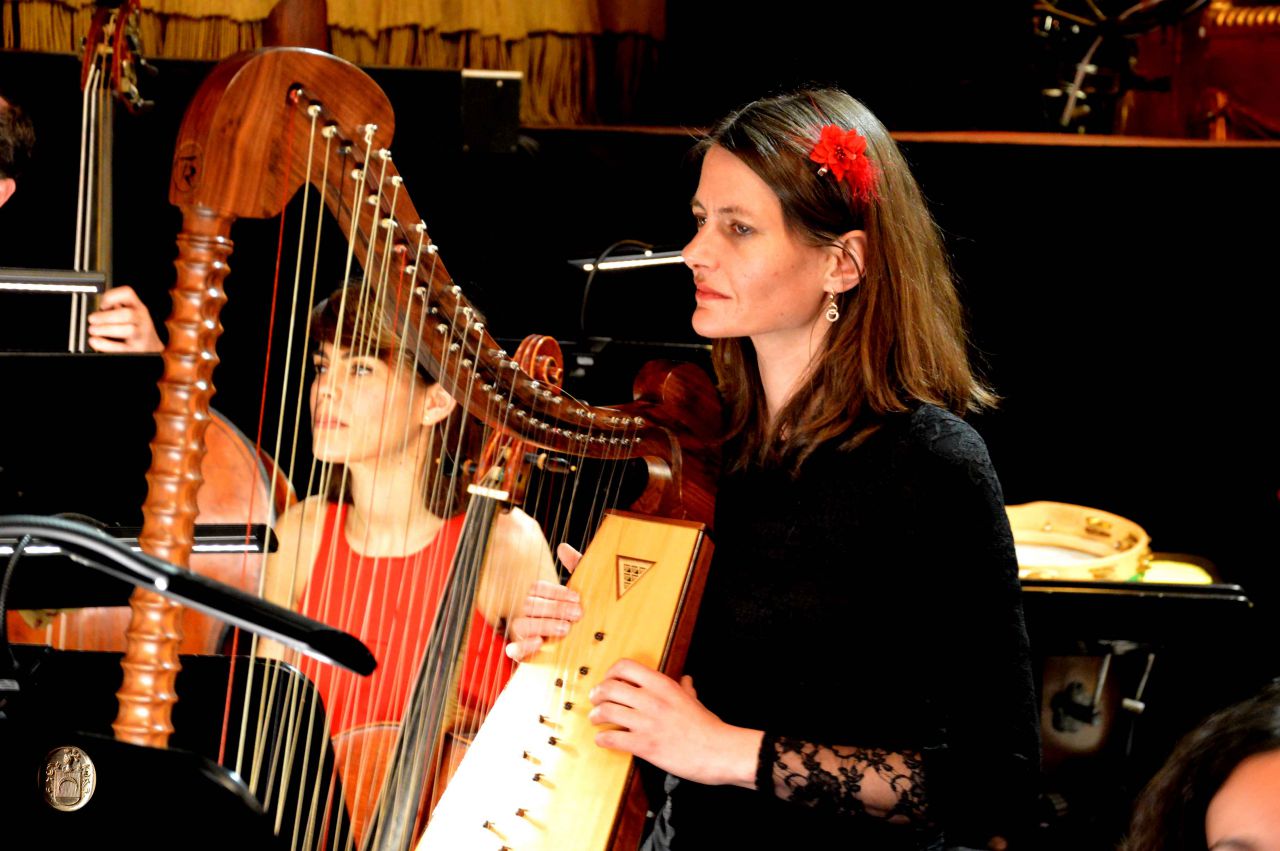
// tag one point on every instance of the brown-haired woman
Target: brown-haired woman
(371, 553)
(862, 668)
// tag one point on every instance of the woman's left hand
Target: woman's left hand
(663, 723)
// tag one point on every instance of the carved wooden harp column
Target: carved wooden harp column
(247, 144)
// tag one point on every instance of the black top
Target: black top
(869, 605)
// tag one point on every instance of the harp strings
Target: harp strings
(389, 287)
(289, 731)
(282, 740)
(91, 133)
(367, 313)
(296, 710)
(270, 781)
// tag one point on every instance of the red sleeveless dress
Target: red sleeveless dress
(389, 603)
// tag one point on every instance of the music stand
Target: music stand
(55, 702)
(182, 795)
(48, 578)
(76, 429)
(1127, 668)
(1146, 612)
(76, 434)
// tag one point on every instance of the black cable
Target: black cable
(6, 647)
(595, 267)
(18, 550)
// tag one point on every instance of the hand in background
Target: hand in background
(122, 324)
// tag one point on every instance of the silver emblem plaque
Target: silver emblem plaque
(69, 779)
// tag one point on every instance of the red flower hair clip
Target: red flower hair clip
(843, 153)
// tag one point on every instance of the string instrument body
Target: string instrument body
(262, 126)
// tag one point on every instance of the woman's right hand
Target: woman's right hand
(547, 612)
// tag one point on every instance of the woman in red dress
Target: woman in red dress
(372, 552)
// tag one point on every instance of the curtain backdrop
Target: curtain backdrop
(581, 59)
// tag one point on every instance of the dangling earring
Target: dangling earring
(833, 312)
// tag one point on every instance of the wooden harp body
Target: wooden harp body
(265, 124)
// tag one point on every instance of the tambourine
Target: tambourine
(1057, 540)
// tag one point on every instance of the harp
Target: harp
(238, 484)
(264, 125)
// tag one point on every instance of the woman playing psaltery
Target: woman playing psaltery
(861, 662)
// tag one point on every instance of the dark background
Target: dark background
(919, 66)
(1122, 298)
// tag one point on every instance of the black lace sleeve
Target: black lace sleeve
(844, 780)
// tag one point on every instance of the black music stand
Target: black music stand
(53, 700)
(48, 578)
(1147, 612)
(1134, 667)
(76, 435)
(182, 796)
